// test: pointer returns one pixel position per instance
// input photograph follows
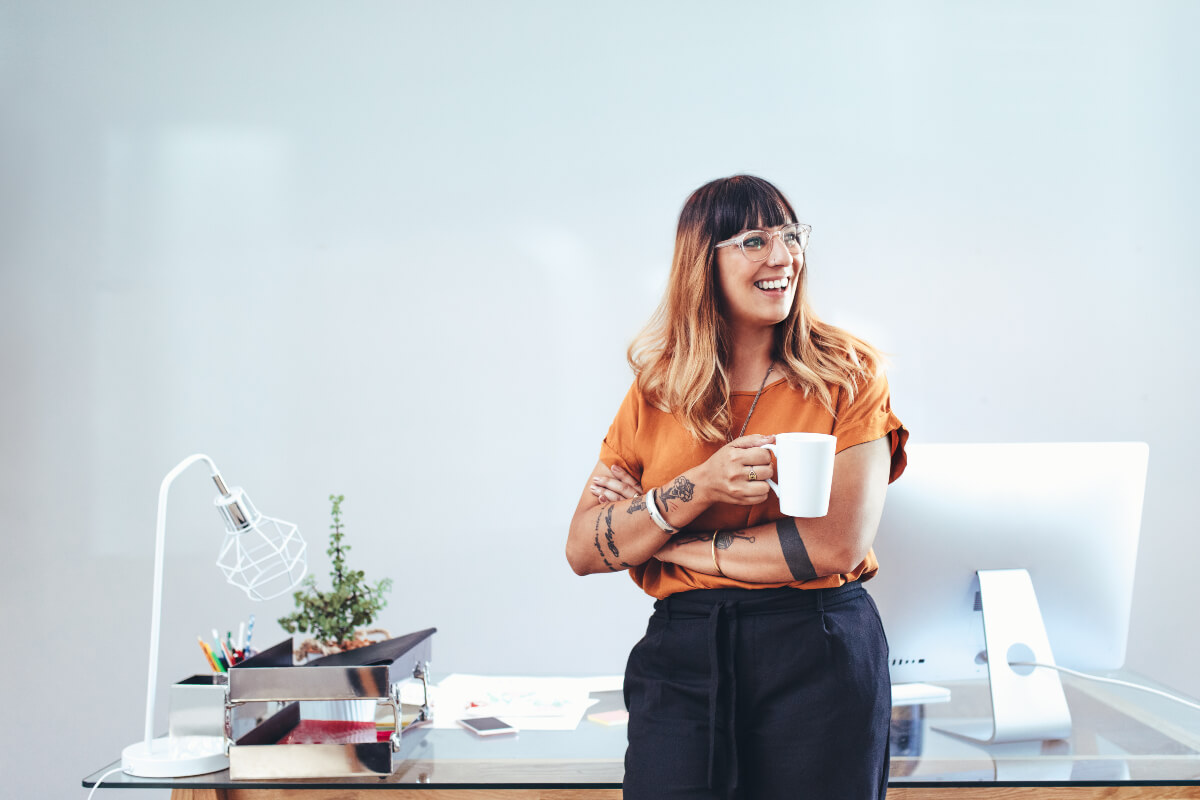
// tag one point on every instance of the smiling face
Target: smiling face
(756, 294)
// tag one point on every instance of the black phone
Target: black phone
(487, 726)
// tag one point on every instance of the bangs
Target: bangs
(745, 201)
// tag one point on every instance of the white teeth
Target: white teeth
(778, 284)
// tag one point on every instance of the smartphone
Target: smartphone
(487, 726)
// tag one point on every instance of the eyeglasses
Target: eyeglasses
(756, 245)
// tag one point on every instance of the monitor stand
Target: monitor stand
(1027, 702)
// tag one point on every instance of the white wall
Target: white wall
(396, 250)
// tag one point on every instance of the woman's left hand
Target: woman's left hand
(619, 486)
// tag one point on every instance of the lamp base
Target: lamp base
(175, 757)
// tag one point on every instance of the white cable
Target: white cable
(1114, 681)
(101, 780)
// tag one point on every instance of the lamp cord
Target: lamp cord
(100, 780)
(1113, 681)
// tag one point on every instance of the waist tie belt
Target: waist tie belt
(715, 604)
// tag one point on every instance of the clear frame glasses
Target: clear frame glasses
(756, 245)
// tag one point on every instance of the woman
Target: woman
(763, 672)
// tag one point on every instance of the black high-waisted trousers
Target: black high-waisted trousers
(759, 694)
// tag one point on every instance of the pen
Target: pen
(216, 659)
(230, 648)
(208, 655)
(218, 662)
(219, 645)
(242, 636)
(249, 633)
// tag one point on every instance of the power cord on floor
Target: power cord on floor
(1113, 681)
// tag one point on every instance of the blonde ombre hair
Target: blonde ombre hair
(681, 356)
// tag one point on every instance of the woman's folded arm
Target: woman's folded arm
(799, 549)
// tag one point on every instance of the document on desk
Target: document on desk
(526, 703)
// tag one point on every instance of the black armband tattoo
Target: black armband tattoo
(794, 551)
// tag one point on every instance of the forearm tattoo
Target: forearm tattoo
(638, 504)
(724, 538)
(600, 550)
(682, 490)
(608, 535)
(794, 551)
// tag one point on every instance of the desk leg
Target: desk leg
(198, 794)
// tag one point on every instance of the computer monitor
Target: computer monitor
(1069, 514)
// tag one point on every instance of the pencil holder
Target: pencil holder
(197, 706)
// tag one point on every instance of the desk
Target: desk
(1125, 744)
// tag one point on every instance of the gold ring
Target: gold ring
(753, 475)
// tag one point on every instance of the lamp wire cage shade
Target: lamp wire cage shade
(263, 556)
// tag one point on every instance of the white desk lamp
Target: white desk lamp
(263, 556)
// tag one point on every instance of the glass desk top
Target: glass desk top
(1120, 737)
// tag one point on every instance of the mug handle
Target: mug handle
(770, 482)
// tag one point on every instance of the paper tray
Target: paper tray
(374, 672)
(368, 672)
(259, 755)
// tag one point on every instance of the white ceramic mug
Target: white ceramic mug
(804, 468)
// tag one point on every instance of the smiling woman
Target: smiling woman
(763, 671)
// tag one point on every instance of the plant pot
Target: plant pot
(311, 649)
(339, 710)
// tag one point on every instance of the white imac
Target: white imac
(1067, 516)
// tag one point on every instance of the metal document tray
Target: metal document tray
(375, 672)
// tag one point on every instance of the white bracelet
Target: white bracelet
(656, 515)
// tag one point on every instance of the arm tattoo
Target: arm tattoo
(638, 504)
(608, 563)
(682, 489)
(609, 535)
(600, 550)
(725, 538)
(598, 516)
(794, 551)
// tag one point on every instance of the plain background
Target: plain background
(396, 251)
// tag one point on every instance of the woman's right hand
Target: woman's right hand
(725, 476)
(620, 485)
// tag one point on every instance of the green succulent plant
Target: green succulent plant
(352, 603)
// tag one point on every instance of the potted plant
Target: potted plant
(337, 619)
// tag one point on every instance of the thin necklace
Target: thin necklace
(770, 367)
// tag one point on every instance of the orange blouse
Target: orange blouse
(652, 446)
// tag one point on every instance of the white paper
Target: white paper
(526, 703)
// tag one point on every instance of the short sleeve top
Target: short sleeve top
(652, 446)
